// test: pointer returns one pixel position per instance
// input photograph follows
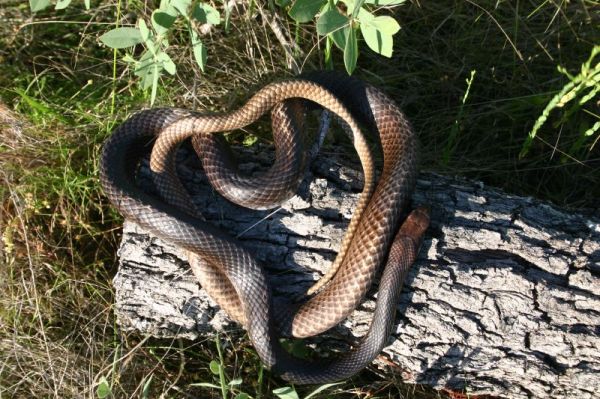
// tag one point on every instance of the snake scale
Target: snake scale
(226, 269)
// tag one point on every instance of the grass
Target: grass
(515, 48)
(58, 333)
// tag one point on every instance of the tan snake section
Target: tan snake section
(226, 269)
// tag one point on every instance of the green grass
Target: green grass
(515, 49)
(58, 333)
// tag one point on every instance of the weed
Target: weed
(452, 137)
(584, 87)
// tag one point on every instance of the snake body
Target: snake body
(225, 268)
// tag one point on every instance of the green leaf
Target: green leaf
(235, 381)
(358, 6)
(205, 384)
(385, 2)
(103, 389)
(305, 10)
(165, 6)
(296, 347)
(87, 4)
(215, 367)
(170, 67)
(352, 6)
(155, 75)
(206, 14)
(167, 63)
(146, 75)
(286, 393)
(378, 31)
(38, 5)
(242, 395)
(144, 31)
(249, 140)
(182, 6)
(377, 41)
(321, 389)
(121, 37)
(199, 50)
(386, 25)
(339, 37)
(329, 21)
(146, 388)
(162, 21)
(62, 4)
(153, 46)
(351, 51)
(365, 17)
(282, 3)
(144, 70)
(145, 58)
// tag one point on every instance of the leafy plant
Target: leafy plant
(580, 89)
(103, 389)
(155, 59)
(345, 21)
(217, 368)
(151, 64)
(39, 5)
(341, 22)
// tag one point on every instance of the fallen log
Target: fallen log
(504, 299)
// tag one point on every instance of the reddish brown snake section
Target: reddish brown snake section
(225, 268)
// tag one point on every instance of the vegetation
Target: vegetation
(505, 92)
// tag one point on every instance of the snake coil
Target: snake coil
(226, 269)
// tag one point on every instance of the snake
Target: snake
(377, 235)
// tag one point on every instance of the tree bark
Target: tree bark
(504, 299)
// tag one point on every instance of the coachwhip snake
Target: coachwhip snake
(226, 269)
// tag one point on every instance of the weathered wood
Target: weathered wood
(504, 299)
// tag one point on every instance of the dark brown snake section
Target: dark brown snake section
(225, 268)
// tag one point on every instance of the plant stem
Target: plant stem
(114, 77)
(222, 379)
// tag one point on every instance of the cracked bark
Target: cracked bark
(503, 300)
